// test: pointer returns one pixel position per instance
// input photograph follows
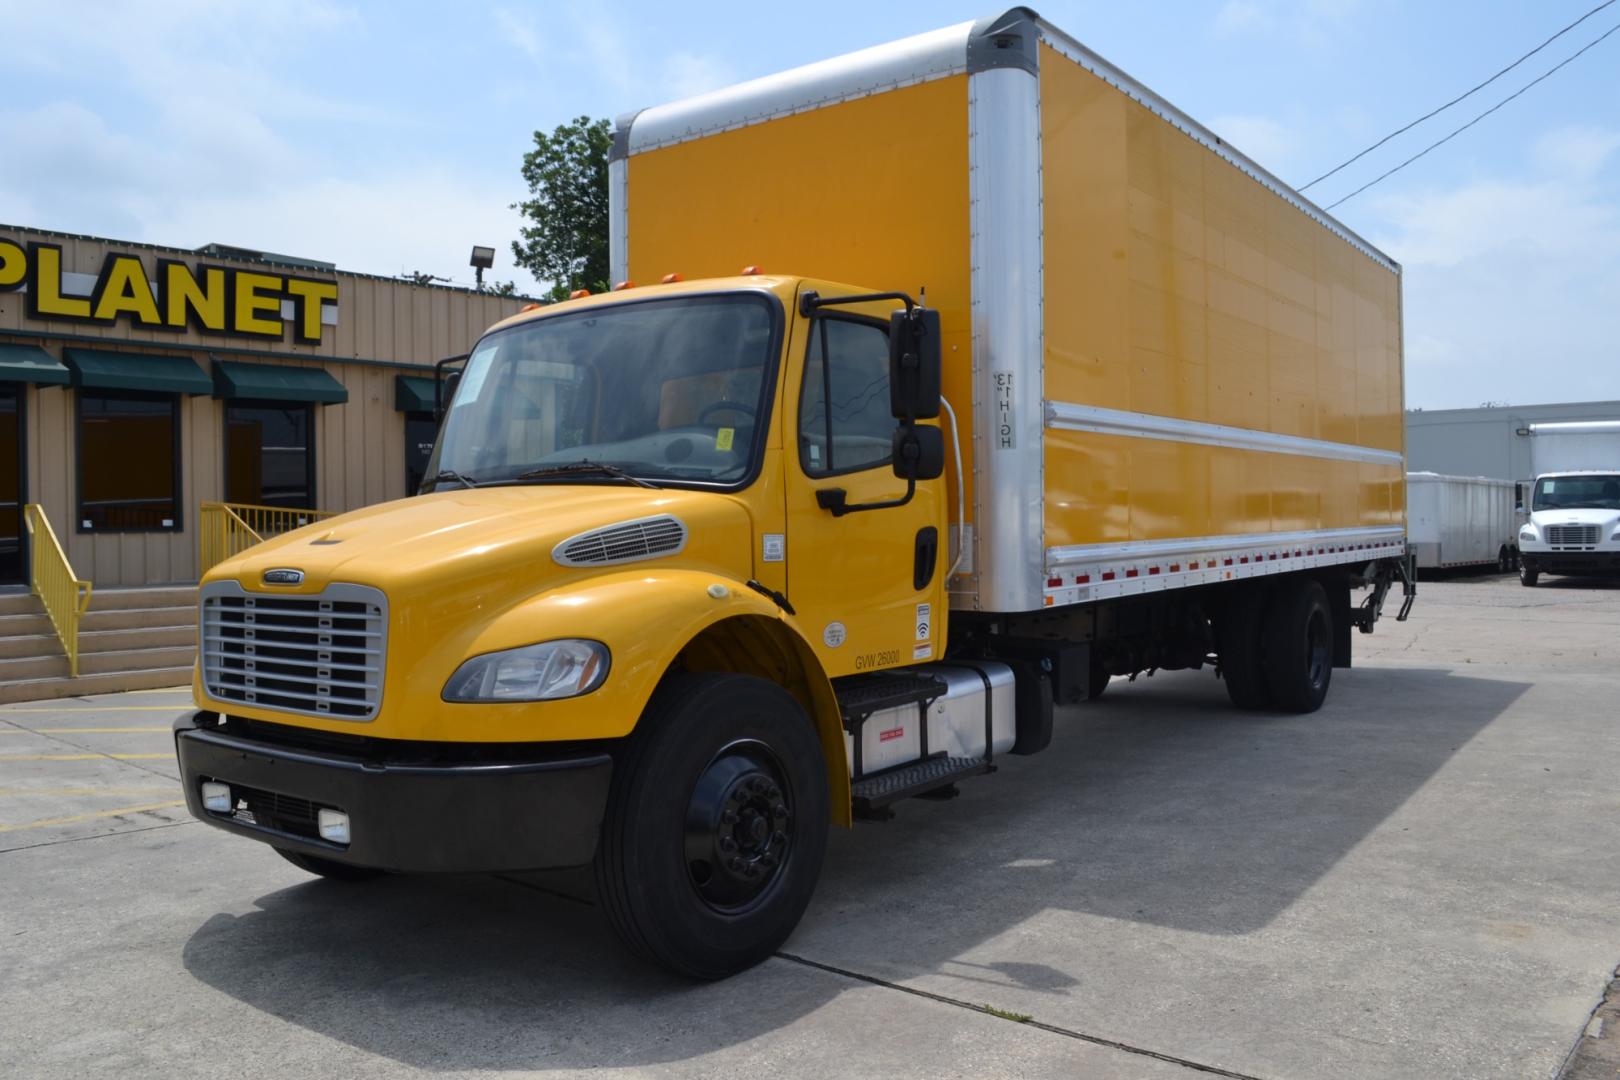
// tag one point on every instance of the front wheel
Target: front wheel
(1527, 576)
(716, 825)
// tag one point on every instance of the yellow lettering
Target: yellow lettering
(308, 297)
(13, 265)
(184, 299)
(124, 290)
(45, 289)
(258, 295)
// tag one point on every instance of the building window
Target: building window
(11, 483)
(420, 431)
(270, 455)
(848, 366)
(129, 462)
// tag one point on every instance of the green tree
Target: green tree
(565, 239)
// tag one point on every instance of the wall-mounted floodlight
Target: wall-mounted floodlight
(482, 259)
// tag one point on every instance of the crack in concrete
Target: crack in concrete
(1068, 1033)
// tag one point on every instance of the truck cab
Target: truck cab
(1574, 526)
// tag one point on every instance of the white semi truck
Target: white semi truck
(1574, 525)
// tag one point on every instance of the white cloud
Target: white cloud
(1263, 139)
(1237, 16)
(688, 74)
(1512, 284)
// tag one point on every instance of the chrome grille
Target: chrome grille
(1572, 535)
(319, 655)
(626, 542)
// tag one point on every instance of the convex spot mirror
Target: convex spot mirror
(919, 452)
(914, 365)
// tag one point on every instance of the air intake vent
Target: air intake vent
(647, 538)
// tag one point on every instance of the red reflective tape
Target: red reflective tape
(1130, 573)
(1229, 561)
(1082, 579)
(1245, 559)
(1153, 570)
(1054, 582)
(1108, 575)
(1175, 567)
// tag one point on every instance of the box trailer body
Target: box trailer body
(963, 374)
(1574, 446)
(1169, 368)
(1458, 521)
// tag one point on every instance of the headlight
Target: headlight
(543, 672)
(1528, 532)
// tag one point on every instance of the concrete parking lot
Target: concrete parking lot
(1418, 881)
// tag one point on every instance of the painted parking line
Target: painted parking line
(70, 792)
(45, 822)
(97, 730)
(96, 708)
(85, 757)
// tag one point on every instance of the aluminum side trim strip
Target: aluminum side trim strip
(1067, 416)
(1150, 549)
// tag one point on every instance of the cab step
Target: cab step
(859, 696)
(872, 795)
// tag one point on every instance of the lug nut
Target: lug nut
(727, 844)
(734, 863)
(729, 817)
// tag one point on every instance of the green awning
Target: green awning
(96, 370)
(32, 364)
(413, 393)
(271, 382)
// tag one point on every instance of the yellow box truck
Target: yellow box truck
(944, 381)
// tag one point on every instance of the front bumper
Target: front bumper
(1571, 562)
(415, 815)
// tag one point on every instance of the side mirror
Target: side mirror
(444, 392)
(914, 364)
(919, 452)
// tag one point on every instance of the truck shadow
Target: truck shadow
(1156, 804)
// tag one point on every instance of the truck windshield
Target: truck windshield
(666, 390)
(1591, 492)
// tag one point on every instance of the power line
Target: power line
(1460, 97)
(1472, 122)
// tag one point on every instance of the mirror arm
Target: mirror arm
(811, 300)
(836, 500)
(439, 403)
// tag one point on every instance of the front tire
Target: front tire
(1299, 646)
(1527, 576)
(716, 825)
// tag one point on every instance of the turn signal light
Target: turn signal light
(670, 279)
(577, 293)
(751, 271)
(621, 286)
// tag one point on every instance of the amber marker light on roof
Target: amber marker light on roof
(752, 271)
(529, 307)
(577, 293)
(670, 279)
(623, 285)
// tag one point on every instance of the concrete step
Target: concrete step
(142, 637)
(136, 618)
(153, 596)
(102, 663)
(109, 683)
(30, 645)
(25, 625)
(19, 602)
(38, 666)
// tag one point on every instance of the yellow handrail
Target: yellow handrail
(50, 577)
(227, 529)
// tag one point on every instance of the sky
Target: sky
(387, 137)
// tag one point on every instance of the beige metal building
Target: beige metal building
(137, 382)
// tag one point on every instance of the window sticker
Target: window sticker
(723, 438)
(775, 547)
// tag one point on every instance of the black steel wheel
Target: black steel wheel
(716, 825)
(1299, 646)
(329, 868)
(1241, 648)
(1527, 576)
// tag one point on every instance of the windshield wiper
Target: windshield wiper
(581, 468)
(452, 476)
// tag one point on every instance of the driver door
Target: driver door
(868, 586)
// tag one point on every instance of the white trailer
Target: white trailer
(1574, 446)
(1456, 521)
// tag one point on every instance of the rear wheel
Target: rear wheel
(1504, 561)
(1527, 576)
(1298, 639)
(716, 825)
(328, 868)
(1239, 646)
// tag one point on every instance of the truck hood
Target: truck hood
(1584, 515)
(484, 544)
